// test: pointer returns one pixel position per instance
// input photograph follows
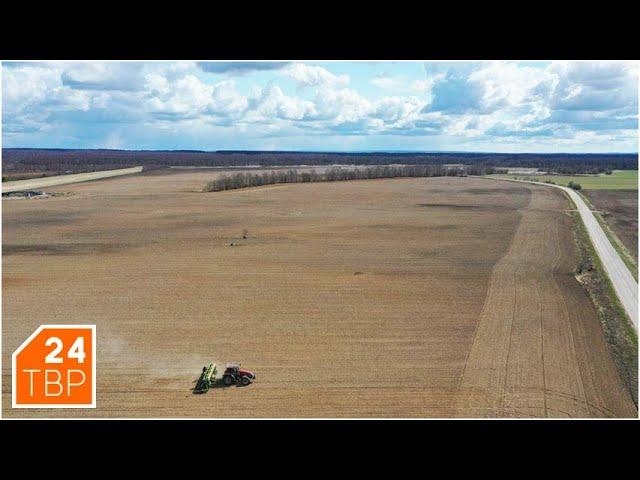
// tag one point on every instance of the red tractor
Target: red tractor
(234, 374)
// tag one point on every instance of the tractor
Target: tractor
(234, 374)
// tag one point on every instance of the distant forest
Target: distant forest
(28, 160)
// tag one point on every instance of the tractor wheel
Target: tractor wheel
(228, 380)
(246, 381)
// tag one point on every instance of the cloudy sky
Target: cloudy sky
(336, 106)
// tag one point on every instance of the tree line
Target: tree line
(335, 174)
(63, 160)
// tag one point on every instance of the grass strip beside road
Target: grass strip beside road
(617, 328)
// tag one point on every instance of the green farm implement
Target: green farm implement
(207, 379)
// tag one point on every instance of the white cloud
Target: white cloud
(157, 84)
(482, 101)
(314, 76)
(125, 76)
(425, 85)
(398, 110)
(26, 86)
(226, 99)
(388, 82)
(505, 84)
(343, 105)
(508, 99)
(187, 96)
(400, 83)
(270, 102)
(595, 86)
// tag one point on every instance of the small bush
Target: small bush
(574, 185)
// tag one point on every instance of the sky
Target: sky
(492, 106)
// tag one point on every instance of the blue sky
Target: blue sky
(497, 106)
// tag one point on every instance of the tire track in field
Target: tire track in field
(567, 369)
(498, 377)
(493, 287)
(544, 378)
(557, 259)
(523, 389)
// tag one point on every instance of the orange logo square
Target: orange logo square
(55, 368)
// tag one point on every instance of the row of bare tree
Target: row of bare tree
(335, 174)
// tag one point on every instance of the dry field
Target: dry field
(440, 297)
(620, 209)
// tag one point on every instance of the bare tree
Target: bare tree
(335, 174)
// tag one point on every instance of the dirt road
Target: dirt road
(37, 183)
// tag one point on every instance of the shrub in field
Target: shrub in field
(575, 186)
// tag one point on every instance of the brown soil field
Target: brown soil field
(411, 297)
(620, 209)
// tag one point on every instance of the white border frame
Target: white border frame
(24, 344)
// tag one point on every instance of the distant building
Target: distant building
(524, 171)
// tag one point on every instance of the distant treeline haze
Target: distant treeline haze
(18, 160)
(336, 174)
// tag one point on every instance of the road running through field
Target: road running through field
(624, 284)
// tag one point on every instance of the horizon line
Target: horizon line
(325, 151)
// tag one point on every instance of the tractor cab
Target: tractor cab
(234, 374)
(232, 369)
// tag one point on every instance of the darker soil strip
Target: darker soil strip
(61, 248)
(496, 191)
(456, 206)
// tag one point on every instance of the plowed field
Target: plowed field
(441, 297)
